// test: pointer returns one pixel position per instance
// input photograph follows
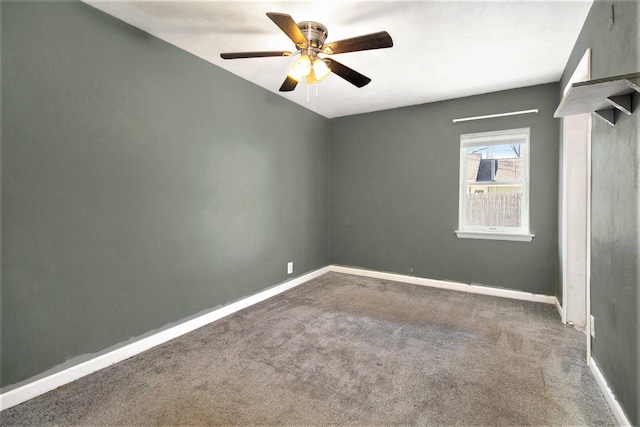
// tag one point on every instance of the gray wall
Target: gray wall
(394, 192)
(615, 210)
(140, 186)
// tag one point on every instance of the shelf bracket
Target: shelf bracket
(622, 103)
(608, 115)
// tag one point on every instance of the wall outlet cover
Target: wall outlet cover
(290, 267)
(592, 326)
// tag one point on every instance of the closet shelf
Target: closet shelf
(607, 98)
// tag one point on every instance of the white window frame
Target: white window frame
(467, 141)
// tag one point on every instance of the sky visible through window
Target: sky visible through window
(501, 151)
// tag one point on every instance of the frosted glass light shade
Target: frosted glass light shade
(320, 69)
(302, 67)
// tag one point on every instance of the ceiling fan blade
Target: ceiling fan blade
(288, 85)
(238, 55)
(350, 75)
(290, 28)
(378, 40)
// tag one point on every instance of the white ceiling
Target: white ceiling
(442, 49)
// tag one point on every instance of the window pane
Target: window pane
(494, 205)
(494, 188)
(495, 163)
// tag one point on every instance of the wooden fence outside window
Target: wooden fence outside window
(494, 209)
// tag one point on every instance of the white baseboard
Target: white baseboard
(561, 311)
(454, 286)
(617, 410)
(51, 382)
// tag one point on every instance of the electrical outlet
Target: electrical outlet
(290, 267)
(593, 326)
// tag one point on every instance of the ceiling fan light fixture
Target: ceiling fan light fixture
(311, 78)
(320, 69)
(301, 68)
(294, 76)
(309, 39)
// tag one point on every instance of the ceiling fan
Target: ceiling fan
(309, 37)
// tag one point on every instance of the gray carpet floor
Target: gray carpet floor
(346, 350)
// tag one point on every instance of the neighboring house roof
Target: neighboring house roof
(508, 169)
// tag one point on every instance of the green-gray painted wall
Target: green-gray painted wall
(394, 192)
(140, 185)
(615, 204)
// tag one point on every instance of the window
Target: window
(494, 185)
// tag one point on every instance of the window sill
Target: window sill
(515, 237)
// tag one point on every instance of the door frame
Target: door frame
(582, 72)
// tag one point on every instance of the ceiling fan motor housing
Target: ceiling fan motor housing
(314, 32)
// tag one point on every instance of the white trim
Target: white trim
(581, 73)
(521, 233)
(491, 116)
(473, 288)
(588, 261)
(572, 241)
(560, 311)
(515, 237)
(51, 382)
(617, 410)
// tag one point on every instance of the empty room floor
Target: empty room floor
(342, 350)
